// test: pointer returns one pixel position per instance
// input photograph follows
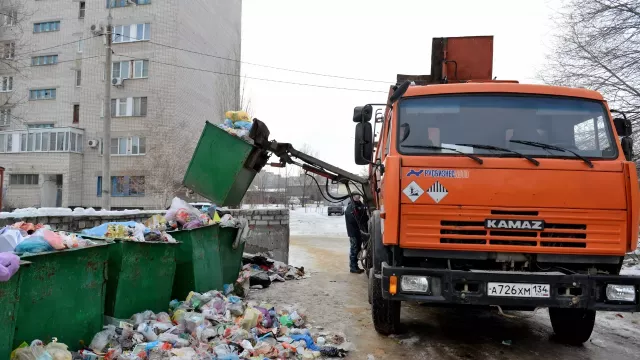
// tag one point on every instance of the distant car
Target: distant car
(335, 210)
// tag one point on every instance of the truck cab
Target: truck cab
(498, 194)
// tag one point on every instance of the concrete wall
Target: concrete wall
(270, 227)
(270, 231)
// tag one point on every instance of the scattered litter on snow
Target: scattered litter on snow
(316, 222)
(208, 326)
(631, 265)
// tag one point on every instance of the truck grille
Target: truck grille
(455, 227)
(513, 237)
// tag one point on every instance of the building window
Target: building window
(44, 60)
(130, 69)
(123, 3)
(122, 186)
(80, 45)
(133, 106)
(23, 179)
(8, 50)
(78, 77)
(7, 84)
(134, 145)
(5, 116)
(131, 33)
(82, 10)
(46, 26)
(42, 94)
(10, 17)
(47, 140)
(39, 126)
(76, 113)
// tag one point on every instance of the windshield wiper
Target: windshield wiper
(491, 147)
(553, 147)
(433, 147)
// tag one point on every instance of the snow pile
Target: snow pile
(316, 222)
(35, 212)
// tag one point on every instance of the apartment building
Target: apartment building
(52, 85)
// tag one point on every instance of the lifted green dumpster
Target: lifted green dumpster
(140, 277)
(9, 298)
(62, 295)
(223, 166)
(206, 259)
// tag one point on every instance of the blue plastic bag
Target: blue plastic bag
(242, 125)
(101, 230)
(307, 339)
(33, 245)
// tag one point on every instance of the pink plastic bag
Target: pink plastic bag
(53, 239)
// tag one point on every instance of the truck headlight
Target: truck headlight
(625, 293)
(411, 283)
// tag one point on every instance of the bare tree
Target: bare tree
(597, 46)
(231, 89)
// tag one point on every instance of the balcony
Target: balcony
(58, 140)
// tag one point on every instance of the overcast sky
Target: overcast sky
(368, 39)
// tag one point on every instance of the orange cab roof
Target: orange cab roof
(441, 89)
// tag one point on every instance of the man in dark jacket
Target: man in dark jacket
(356, 218)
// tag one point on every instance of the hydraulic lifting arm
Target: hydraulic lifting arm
(289, 155)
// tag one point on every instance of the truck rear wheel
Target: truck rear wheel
(370, 285)
(385, 313)
(572, 326)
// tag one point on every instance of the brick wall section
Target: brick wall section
(270, 227)
(270, 231)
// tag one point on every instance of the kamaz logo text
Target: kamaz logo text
(514, 224)
(436, 173)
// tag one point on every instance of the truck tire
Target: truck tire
(572, 326)
(385, 313)
(370, 285)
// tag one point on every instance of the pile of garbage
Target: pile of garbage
(262, 271)
(237, 123)
(28, 238)
(210, 326)
(179, 216)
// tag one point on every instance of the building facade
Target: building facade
(169, 72)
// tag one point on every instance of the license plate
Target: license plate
(518, 290)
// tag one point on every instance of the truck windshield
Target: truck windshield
(579, 125)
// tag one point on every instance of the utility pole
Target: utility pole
(106, 132)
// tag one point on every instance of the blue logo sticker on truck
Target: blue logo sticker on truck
(438, 173)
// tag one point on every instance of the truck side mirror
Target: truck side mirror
(362, 113)
(623, 126)
(627, 148)
(363, 149)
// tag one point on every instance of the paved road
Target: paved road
(337, 300)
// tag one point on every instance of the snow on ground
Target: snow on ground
(34, 212)
(314, 221)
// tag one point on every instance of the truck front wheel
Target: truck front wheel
(572, 326)
(385, 313)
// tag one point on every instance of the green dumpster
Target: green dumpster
(205, 259)
(223, 166)
(140, 277)
(62, 295)
(9, 298)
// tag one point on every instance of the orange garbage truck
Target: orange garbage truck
(491, 194)
(497, 194)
